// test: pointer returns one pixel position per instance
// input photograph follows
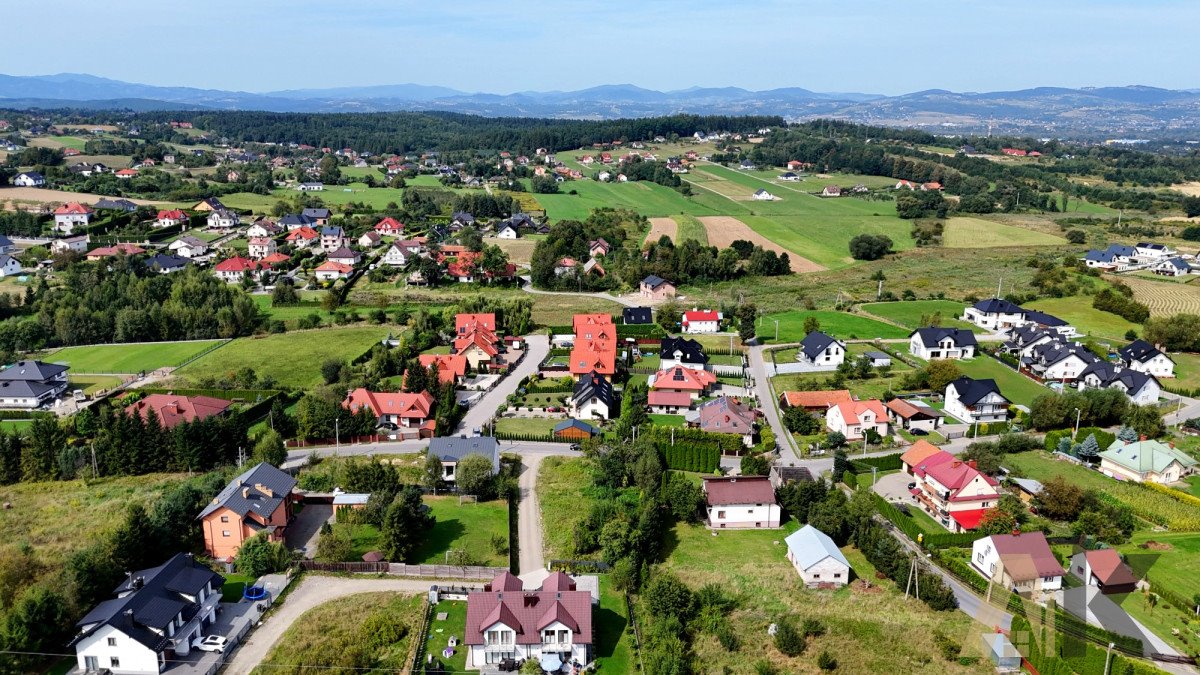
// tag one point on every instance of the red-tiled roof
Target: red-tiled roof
(276, 258)
(236, 264)
(389, 224)
(728, 490)
(669, 398)
(106, 251)
(480, 337)
(684, 379)
(172, 214)
(465, 323)
(816, 399)
(726, 415)
(1107, 567)
(449, 366)
(939, 457)
(411, 406)
(302, 232)
(919, 452)
(852, 409)
(331, 266)
(173, 410)
(73, 208)
(705, 315)
(593, 355)
(582, 322)
(955, 475)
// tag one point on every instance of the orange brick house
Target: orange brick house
(258, 500)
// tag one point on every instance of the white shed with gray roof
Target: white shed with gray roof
(817, 558)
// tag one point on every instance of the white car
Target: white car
(211, 643)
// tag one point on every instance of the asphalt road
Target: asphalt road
(536, 351)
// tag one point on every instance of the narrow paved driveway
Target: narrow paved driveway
(529, 516)
(313, 591)
(528, 288)
(538, 348)
(305, 530)
(788, 453)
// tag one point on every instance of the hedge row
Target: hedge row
(691, 457)
(884, 463)
(1103, 438)
(723, 443)
(640, 330)
(23, 414)
(249, 395)
(1190, 500)
(931, 541)
(529, 438)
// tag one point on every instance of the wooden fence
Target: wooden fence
(404, 570)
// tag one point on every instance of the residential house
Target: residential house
(814, 401)
(310, 186)
(451, 368)
(599, 248)
(974, 401)
(795, 165)
(1104, 569)
(475, 338)
(319, 216)
(152, 619)
(261, 247)
(222, 219)
(236, 268)
(701, 321)
(390, 227)
(165, 263)
(451, 450)
(263, 228)
(573, 429)
(740, 502)
(817, 558)
(681, 351)
(345, 256)
(1144, 357)
(565, 265)
(831, 191)
(995, 314)
(1172, 267)
(302, 237)
(370, 239)
(954, 492)
(462, 219)
(854, 418)
(1116, 258)
(293, 221)
(910, 415)
(9, 265)
(31, 384)
(916, 455)
(1153, 252)
(695, 383)
(29, 179)
(6, 245)
(70, 216)
(656, 289)
(172, 410)
(256, 501)
(332, 271)
(1023, 339)
(333, 238)
(170, 218)
(102, 252)
(1059, 360)
(506, 622)
(76, 244)
(126, 174)
(188, 246)
(942, 343)
(763, 196)
(877, 359)
(507, 231)
(725, 415)
(789, 176)
(820, 350)
(396, 410)
(593, 397)
(1141, 388)
(401, 252)
(637, 316)
(1050, 323)
(1141, 461)
(1021, 562)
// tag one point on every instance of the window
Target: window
(224, 519)
(720, 514)
(112, 642)
(816, 576)
(224, 533)
(837, 575)
(115, 662)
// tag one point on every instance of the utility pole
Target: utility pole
(879, 291)
(337, 437)
(241, 456)
(1076, 431)
(776, 329)
(999, 286)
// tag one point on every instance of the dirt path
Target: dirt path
(529, 517)
(724, 230)
(661, 226)
(43, 195)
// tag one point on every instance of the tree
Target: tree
(258, 556)
(941, 372)
(431, 477)
(826, 662)
(1088, 450)
(788, 640)
(996, 521)
(800, 421)
(747, 314)
(270, 449)
(667, 596)
(811, 324)
(1191, 206)
(1059, 499)
(1146, 420)
(474, 476)
(284, 293)
(834, 439)
(405, 525)
(870, 246)
(331, 370)
(755, 465)
(1077, 236)
(1127, 434)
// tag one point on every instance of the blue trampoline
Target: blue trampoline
(254, 593)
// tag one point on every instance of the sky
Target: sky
(502, 46)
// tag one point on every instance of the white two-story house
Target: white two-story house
(942, 343)
(740, 502)
(506, 622)
(821, 351)
(974, 401)
(995, 314)
(1020, 562)
(1144, 357)
(853, 418)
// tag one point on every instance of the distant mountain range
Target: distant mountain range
(1128, 111)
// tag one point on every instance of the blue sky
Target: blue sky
(513, 45)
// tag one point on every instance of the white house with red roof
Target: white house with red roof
(389, 227)
(407, 411)
(507, 622)
(691, 381)
(853, 418)
(450, 367)
(70, 216)
(332, 271)
(302, 237)
(261, 247)
(236, 268)
(954, 492)
(170, 218)
(740, 502)
(1021, 562)
(701, 321)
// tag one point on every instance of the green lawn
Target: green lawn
(1078, 312)
(908, 314)
(235, 583)
(1176, 565)
(91, 384)
(69, 141)
(293, 359)
(838, 324)
(440, 631)
(966, 232)
(466, 527)
(131, 358)
(667, 420)
(1187, 371)
(648, 199)
(614, 645)
(1013, 385)
(15, 426)
(528, 425)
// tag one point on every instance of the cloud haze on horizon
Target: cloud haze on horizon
(518, 45)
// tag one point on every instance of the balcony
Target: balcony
(191, 629)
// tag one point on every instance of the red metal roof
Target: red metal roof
(528, 612)
(728, 490)
(969, 520)
(669, 398)
(706, 315)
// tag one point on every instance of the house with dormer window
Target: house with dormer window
(506, 622)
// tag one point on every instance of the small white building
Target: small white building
(9, 265)
(310, 187)
(995, 314)
(821, 350)
(77, 244)
(740, 502)
(817, 558)
(698, 321)
(70, 216)
(222, 219)
(942, 343)
(29, 179)
(188, 247)
(763, 196)
(508, 231)
(592, 398)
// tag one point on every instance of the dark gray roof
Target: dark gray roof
(214, 203)
(1139, 350)
(167, 261)
(116, 205)
(462, 217)
(815, 343)
(575, 424)
(332, 231)
(452, 449)
(878, 356)
(1043, 319)
(998, 306)
(5, 241)
(654, 281)
(931, 336)
(1053, 352)
(23, 389)
(279, 483)
(316, 213)
(690, 350)
(637, 315)
(153, 598)
(31, 371)
(1109, 374)
(295, 219)
(972, 391)
(593, 386)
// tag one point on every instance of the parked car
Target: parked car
(576, 447)
(211, 643)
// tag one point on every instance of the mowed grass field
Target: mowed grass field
(838, 324)
(293, 359)
(1013, 385)
(1079, 313)
(1165, 298)
(464, 527)
(689, 228)
(128, 358)
(908, 314)
(966, 232)
(648, 199)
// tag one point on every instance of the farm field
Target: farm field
(966, 232)
(909, 313)
(648, 199)
(838, 324)
(660, 227)
(721, 231)
(520, 251)
(1079, 313)
(46, 196)
(1165, 298)
(128, 358)
(335, 635)
(293, 359)
(1013, 385)
(690, 228)
(66, 142)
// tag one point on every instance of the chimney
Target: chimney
(1171, 444)
(264, 489)
(245, 493)
(972, 464)
(955, 464)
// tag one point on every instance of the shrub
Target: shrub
(825, 661)
(788, 640)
